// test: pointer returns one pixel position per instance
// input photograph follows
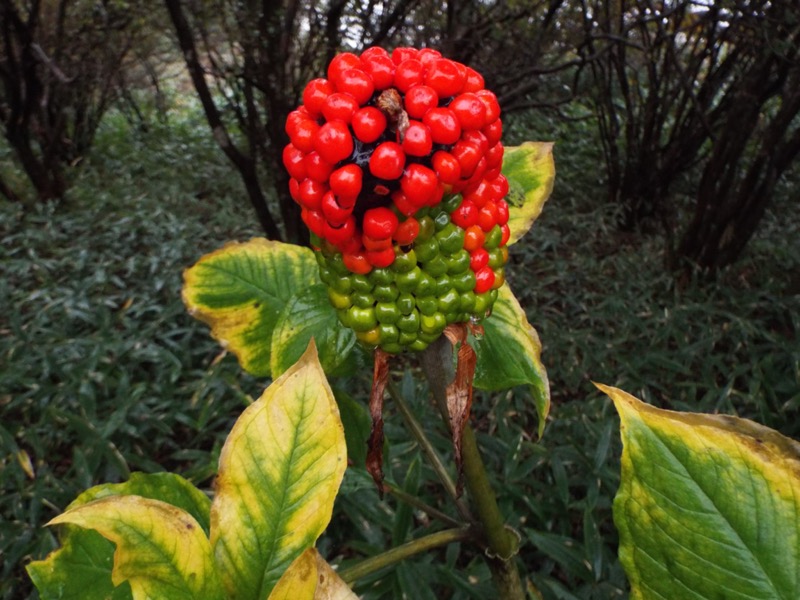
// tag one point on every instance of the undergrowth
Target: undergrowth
(103, 372)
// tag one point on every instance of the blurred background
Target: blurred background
(139, 135)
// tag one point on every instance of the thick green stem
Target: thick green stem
(395, 555)
(501, 542)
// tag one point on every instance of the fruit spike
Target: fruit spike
(394, 159)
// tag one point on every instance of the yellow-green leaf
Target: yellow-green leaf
(531, 172)
(81, 568)
(161, 552)
(167, 487)
(708, 506)
(240, 291)
(509, 354)
(279, 472)
(310, 577)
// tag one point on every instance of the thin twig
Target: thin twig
(425, 444)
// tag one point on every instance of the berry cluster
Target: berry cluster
(395, 161)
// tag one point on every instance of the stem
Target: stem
(429, 450)
(395, 555)
(501, 542)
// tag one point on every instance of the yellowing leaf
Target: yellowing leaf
(311, 577)
(161, 551)
(240, 291)
(509, 353)
(280, 470)
(82, 567)
(531, 172)
(707, 507)
(299, 581)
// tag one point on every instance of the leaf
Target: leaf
(240, 291)
(309, 314)
(708, 505)
(509, 354)
(161, 552)
(531, 172)
(167, 487)
(81, 568)
(311, 577)
(279, 472)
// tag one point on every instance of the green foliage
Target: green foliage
(103, 371)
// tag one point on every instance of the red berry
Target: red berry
(315, 93)
(419, 184)
(492, 106)
(477, 138)
(407, 231)
(473, 81)
(369, 123)
(381, 258)
(375, 245)
(417, 140)
(339, 106)
(478, 259)
(334, 142)
(427, 55)
(446, 166)
(379, 223)
(444, 77)
(444, 126)
(335, 214)
(314, 220)
(356, 83)
(480, 195)
(374, 51)
(487, 216)
(317, 168)
(470, 111)
(356, 263)
(419, 100)
(294, 189)
(506, 233)
(401, 54)
(387, 161)
(303, 133)
(500, 186)
(493, 131)
(310, 193)
(502, 212)
(346, 181)
(341, 63)
(402, 204)
(409, 73)
(338, 234)
(466, 215)
(467, 154)
(494, 156)
(380, 69)
(484, 280)
(293, 161)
